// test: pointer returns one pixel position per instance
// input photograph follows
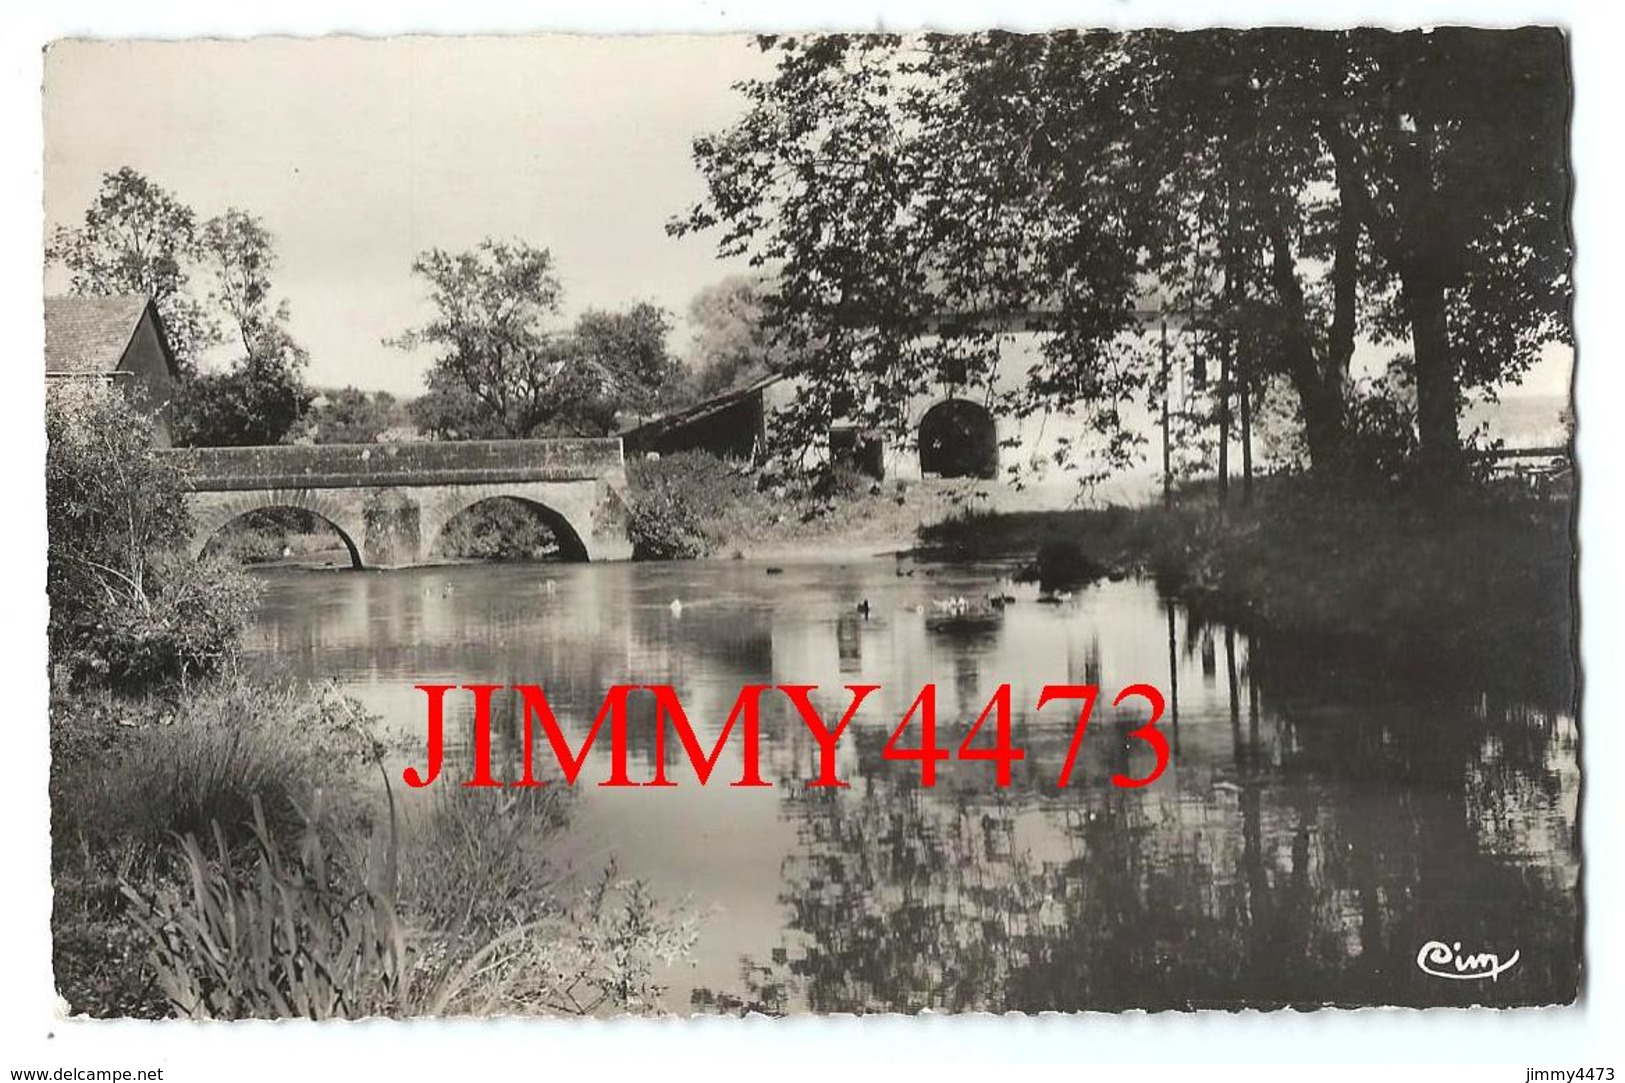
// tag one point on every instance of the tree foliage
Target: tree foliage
(261, 397)
(352, 416)
(504, 369)
(259, 400)
(732, 344)
(138, 238)
(127, 605)
(1278, 193)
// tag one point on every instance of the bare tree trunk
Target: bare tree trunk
(1436, 389)
(1319, 392)
(1167, 390)
(1224, 417)
(1244, 392)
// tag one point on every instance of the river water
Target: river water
(1317, 826)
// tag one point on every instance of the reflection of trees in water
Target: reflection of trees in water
(1319, 822)
(1350, 829)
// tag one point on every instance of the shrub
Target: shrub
(319, 930)
(675, 503)
(1062, 564)
(126, 606)
(843, 482)
(476, 880)
(130, 774)
(186, 621)
(1381, 445)
(475, 862)
(109, 505)
(500, 528)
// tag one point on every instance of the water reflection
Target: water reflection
(1317, 825)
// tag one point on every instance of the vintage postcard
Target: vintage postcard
(975, 522)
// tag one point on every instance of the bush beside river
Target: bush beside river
(216, 854)
(1480, 582)
(1477, 581)
(692, 505)
(227, 848)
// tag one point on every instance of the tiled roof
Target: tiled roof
(86, 335)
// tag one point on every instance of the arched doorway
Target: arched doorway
(507, 528)
(281, 533)
(959, 439)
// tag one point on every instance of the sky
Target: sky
(360, 153)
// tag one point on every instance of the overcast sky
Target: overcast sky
(360, 153)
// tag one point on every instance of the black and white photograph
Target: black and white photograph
(816, 523)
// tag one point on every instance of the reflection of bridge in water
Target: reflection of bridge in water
(390, 502)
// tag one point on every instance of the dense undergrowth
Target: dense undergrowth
(1479, 581)
(220, 855)
(223, 846)
(692, 505)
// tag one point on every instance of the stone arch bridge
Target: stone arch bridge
(390, 502)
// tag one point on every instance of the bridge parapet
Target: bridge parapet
(338, 466)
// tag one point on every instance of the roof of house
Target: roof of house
(702, 409)
(88, 335)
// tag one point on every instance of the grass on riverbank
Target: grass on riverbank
(691, 505)
(130, 775)
(1479, 583)
(221, 852)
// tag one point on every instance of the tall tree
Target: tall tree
(1456, 150)
(503, 370)
(939, 184)
(261, 397)
(625, 362)
(732, 344)
(240, 253)
(352, 416)
(138, 238)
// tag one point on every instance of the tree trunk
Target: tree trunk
(1436, 390)
(1228, 345)
(1245, 392)
(1167, 452)
(1421, 248)
(1324, 428)
(1229, 339)
(1319, 392)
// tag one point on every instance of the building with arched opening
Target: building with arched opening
(953, 431)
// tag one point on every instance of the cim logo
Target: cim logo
(1447, 961)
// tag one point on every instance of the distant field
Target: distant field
(1524, 421)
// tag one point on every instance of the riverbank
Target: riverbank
(1395, 768)
(1477, 584)
(226, 851)
(691, 505)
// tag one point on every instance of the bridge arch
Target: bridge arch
(959, 438)
(571, 546)
(213, 512)
(387, 500)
